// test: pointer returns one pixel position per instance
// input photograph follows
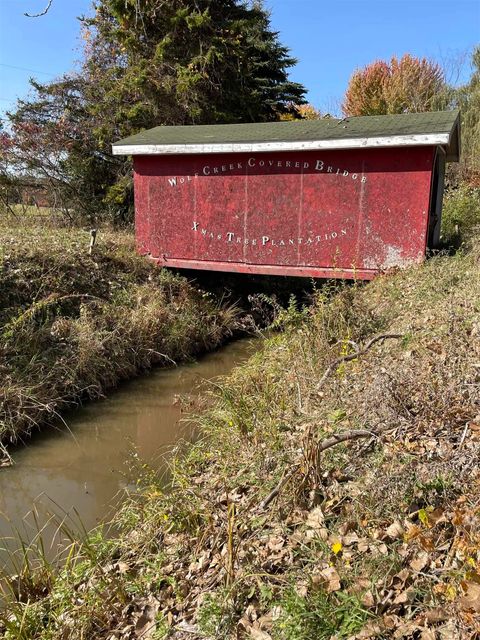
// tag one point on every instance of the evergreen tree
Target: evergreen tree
(149, 63)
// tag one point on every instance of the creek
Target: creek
(80, 473)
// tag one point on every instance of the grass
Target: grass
(372, 538)
(72, 325)
(317, 615)
(379, 536)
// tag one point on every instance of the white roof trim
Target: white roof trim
(296, 145)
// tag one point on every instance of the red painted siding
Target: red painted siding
(335, 213)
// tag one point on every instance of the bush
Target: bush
(461, 215)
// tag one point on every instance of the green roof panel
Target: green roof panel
(326, 129)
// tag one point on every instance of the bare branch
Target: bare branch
(343, 436)
(42, 13)
(353, 356)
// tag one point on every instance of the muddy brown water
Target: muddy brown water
(81, 474)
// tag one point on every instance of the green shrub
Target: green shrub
(461, 215)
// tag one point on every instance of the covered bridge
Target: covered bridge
(319, 198)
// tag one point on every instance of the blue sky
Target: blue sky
(330, 38)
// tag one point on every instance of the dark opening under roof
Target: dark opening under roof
(406, 129)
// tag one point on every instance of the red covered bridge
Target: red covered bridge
(321, 198)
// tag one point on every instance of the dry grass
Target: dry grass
(72, 325)
(377, 537)
(373, 538)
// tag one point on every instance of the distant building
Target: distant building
(31, 191)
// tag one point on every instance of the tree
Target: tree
(148, 63)
(51, 138)
(467, 99)
(302, 112)
(366, 91)
(400, 86)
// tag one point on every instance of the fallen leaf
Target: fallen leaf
(368, 599)
(370, 630)
(258, 634)
(146, 626)
(265, 622)
(363, 545)
(471, 598)
(361, 584)
(400, 578)
(391, 621)
(448, 631)
(405, 630)
(395, 530)
(315, 519)
(423, 516)
(275, 543)
(432, 616)
(413, 531)
(420, 562)
(350, 538)
(330, 578)
(405, 597)
(426, 543)
(436, 516)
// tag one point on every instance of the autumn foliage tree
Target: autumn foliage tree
(302, 112)
(51, 138)
(402, 85)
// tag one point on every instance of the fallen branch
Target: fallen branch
(344, 436)
(354, 434)
(353, 356)
(276, 490)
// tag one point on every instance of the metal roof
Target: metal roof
(405, 129)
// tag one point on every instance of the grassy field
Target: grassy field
(334, 493)
(72, 324)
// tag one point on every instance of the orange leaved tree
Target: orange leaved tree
(399, 86)
(301, 112)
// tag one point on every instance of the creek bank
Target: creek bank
(376, 537)
(72, 325)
